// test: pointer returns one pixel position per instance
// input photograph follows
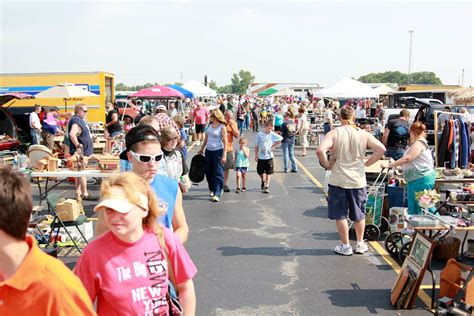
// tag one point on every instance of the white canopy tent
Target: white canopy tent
(284, 93)
(347, 88)
(198, 89)
(383, 90)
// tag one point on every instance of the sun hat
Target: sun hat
(118, 201)
(219, 116)
(161, 107)
(138, 134)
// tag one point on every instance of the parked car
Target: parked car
(9, 133)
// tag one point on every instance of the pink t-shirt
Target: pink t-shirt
(201, 115)
(132, 279)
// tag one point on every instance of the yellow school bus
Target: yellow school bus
(101, 83)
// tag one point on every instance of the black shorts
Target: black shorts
(265, 166)
(200, 128)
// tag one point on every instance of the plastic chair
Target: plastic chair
(52, 200)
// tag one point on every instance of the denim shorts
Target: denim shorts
(346, 202)
(241, 169)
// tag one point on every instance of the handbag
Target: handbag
(175, 308)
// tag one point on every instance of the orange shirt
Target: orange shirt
(230, 135)
(43, 285)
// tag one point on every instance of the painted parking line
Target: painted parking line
(424, 297)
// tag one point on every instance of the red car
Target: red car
(8, 127)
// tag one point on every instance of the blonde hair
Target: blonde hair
(179, 120)
(78, 106)
(242, 139)
(131, 184)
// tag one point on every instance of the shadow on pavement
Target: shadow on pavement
(322, 236)
(310, 188)
(274, 251)
(357, 297)
(320, 211)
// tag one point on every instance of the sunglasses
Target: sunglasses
(146, 158)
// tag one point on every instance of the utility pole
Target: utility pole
(409, 55)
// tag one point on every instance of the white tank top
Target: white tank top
(423, 162)
(348, 171)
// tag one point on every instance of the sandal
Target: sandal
(90, 198)
(238, 190)
(243, 189)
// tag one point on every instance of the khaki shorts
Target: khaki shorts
(229, 161)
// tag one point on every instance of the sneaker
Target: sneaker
(211, 194)
(226, 188)
(262, 186)
(361, 248)
(244, 189)
(285, 171)
(266, 190)
(215, 198)
(294, 171)
(343, 250)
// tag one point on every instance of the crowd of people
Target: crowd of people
(138, 259)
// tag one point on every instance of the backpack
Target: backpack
(197, 170)
(401, 133)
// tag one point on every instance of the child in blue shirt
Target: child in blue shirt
(241, 164)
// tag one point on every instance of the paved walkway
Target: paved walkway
(272, 254)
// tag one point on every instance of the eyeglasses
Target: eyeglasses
(146, 158)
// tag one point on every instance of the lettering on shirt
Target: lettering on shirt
(154, 268)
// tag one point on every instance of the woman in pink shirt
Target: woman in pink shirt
(126, 270)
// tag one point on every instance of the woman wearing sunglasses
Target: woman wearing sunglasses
(215, 143)
(126, 271)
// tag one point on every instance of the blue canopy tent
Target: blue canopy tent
(186, 93)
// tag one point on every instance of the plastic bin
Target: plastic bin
(396, 197)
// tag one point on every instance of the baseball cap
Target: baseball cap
(118, 201)
(138, 134)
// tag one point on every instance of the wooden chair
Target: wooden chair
(452, 281)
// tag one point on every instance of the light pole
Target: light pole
(409, 55)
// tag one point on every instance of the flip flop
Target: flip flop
(90, 198)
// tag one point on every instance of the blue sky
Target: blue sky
(278, 41)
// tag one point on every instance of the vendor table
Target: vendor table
(63, 175)
(441, 181)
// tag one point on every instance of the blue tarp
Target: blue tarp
(187, 93)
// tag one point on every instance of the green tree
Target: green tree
(240, 81)
(424, 77)
(213, 85)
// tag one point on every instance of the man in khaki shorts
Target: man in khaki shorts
(347, 194)
(232, 131)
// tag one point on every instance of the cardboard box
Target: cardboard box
(68, 210)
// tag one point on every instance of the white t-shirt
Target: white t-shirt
(360, 113)
(34, 120)
(327, 116)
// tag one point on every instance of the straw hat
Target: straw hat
(219, 116)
